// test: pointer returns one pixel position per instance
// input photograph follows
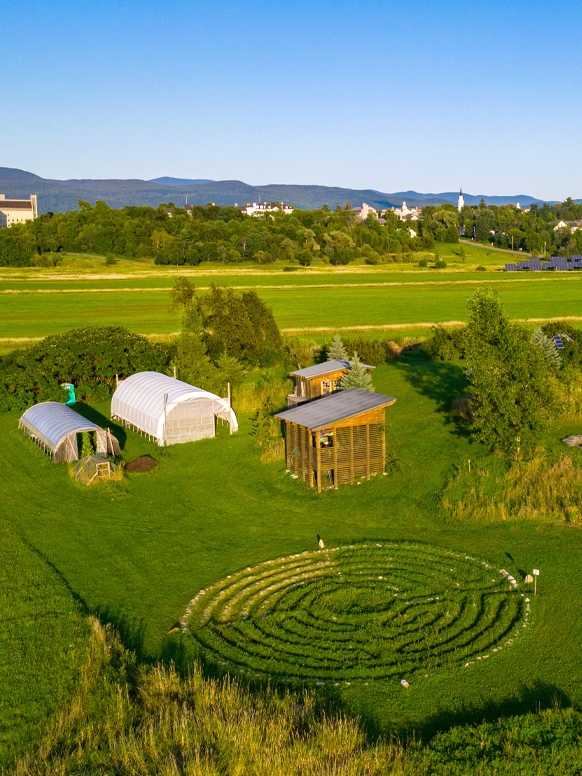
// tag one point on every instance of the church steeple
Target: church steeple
(461, 201)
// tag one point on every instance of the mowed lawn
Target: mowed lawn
(43, 640)
(295, 307)
(138, 551)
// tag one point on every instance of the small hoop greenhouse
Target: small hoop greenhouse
(169, 410)
(54, 428)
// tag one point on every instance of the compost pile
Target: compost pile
(142, 464)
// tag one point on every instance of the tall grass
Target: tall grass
(536, 488)
(126, 720)
(132, 721)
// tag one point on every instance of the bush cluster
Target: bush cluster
(444, 344)
(89, 357)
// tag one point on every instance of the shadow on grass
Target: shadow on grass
(131, 630)
(530, 699)
(96, 417)
(440, 381)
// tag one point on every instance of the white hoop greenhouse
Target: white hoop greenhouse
(54, 427)
(169, 410)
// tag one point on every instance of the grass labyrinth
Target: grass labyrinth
(358, 613)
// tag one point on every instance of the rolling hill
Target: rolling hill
(62, 195)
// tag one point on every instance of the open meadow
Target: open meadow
(136, 552)
(309, 301)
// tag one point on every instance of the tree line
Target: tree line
(191, 236)
(536, 230)
(179, 236)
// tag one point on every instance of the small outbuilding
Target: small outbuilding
(337, 439)
(318, 380)
(55, 428)
(169, 410)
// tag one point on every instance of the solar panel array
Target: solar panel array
(558, 341)
(560, 263)
(557, 263)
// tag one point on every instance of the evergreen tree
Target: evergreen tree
(192, 359)
(357, 376)
(230, 370)
(337, 350)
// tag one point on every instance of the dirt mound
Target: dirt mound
(142, 464)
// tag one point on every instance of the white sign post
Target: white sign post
(536, 573)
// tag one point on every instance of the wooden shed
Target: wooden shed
(337, 439)
(318, 380)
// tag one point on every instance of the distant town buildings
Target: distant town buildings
(572, 225)
(364, 211)
(260, 208)
(17, 211)
(405, 213)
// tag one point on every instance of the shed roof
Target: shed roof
(327, 367)
(335, 407)
(52, 421)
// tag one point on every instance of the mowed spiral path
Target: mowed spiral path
(358, 613)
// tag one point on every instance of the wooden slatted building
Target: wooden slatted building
(337, 439)
(318, 380)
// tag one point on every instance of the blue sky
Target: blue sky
(386, 95)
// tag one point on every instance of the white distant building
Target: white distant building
(260, 208)
(364, 211)
(572, 225)
(17, 211)
(461, 201)
(405, 213)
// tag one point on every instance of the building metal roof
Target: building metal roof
(335, 407)
(326, 368)
(15, 204)
(52, 421)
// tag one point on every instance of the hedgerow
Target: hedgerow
(89, 357)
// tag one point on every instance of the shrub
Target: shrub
(481, 268)
(444, 345)
(392, 350)
(423, 263)
(440, 264)
(370, 351)
(461, 407)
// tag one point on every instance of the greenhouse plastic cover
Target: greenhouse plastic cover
(52, 421)
(146, 398)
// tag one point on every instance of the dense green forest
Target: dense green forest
(173, 235)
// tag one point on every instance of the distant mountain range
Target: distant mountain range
(59, 196)
(180, 181)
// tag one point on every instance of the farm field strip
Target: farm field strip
(80, 287)
(298, 308)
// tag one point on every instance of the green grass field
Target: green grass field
(296, 307)
(42, 640)
(138, 551)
